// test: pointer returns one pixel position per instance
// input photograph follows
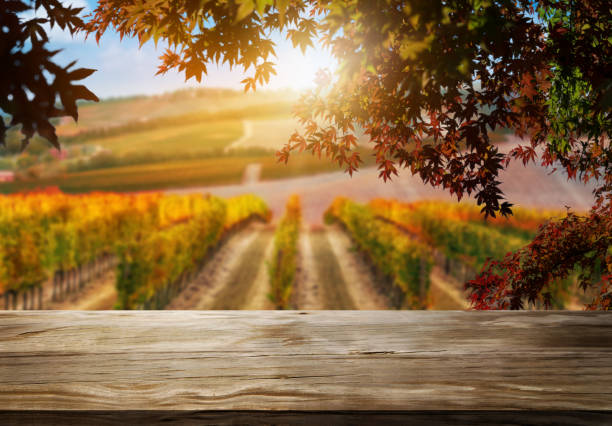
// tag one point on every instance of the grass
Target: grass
(122, 111)
(271, 132)
(299, 165)
(209, 171)
(305, 164)
(177, 173)
(261, 112)
(184, 139)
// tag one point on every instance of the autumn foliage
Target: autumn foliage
(154, 265)
(573, 243)
(426, 81)
(283, 267)
(156, 238)
(31, 82)
(404, 261)
(459, 232)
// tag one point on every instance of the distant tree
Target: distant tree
(428, 82)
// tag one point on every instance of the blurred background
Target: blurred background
(152, 134)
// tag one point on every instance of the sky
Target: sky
(124, 69)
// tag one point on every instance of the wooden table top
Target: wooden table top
(305, 360)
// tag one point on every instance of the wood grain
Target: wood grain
(319, 361)
(307, 418)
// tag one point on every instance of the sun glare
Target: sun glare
(297, 70)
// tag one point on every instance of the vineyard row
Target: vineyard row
(69, 240)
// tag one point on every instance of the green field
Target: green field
(210, 171)
(303, 165)
(174, 174)
(138, 109)
(162, 142)
(189, 139)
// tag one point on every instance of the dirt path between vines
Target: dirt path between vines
(445, 292)
(334, 289)
(306, 292)
(360, 281)
(235, 277)
(99, 294)
(246, 286)
(331, 276)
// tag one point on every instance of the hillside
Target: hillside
(182, 139)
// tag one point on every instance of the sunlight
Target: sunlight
(292, 212)
(296, 70)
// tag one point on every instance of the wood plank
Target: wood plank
(292, 360)
(306, 418)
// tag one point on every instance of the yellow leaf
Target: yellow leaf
(245, 9)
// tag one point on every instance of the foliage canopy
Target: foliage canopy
(30, 81)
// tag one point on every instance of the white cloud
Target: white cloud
(124, 69)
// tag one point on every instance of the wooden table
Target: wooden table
(305, 367)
